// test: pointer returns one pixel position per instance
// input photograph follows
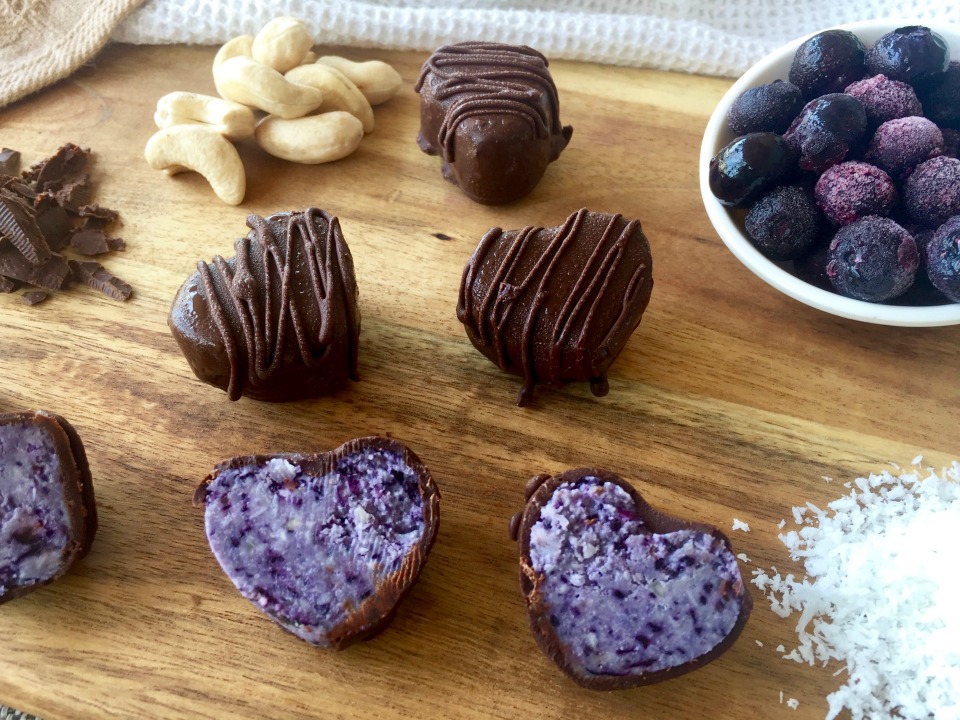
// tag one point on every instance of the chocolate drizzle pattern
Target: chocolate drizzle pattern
(558, 304)
(282, 297)
(492, 78)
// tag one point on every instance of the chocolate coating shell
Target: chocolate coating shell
(75, 489)
(557, 305)
(538, 493)
(278, 321)
(491, 111)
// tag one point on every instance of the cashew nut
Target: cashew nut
(338, 92)
(377, 80)
(246, 81)
(313, 139)
(241, 46)
(282, 43)
(232, 120)
(309, 58)
(203, 150)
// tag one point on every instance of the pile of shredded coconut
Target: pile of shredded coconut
(881, 593)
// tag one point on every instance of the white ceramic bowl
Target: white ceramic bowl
(717, 136)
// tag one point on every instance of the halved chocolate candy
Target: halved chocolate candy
(619, 594)
(557, 305)
(48, 515)
(326, 545)
(279, 320)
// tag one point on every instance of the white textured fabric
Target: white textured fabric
(715, 37)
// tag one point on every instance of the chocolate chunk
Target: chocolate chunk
(48, 515)
(279, 321)
(53, 274)
(90, 242)
(64, 165)
(8, 285)
(9, 162)
(95, 275)
(492, 112)
(53, 221)
(619, 594)
(326, 545)
(100, 213)
(34, 297)
(76, 195)
(18, 224)
(557, 305)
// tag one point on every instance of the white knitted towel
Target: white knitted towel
(715, 37)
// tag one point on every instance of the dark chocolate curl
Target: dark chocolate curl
(95, 275)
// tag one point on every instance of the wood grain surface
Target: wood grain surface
(730, 400)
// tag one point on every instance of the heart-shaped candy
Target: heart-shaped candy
(326, 545)
(619, 594)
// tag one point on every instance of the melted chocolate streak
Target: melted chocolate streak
(491, 79)
(490, 321)
(264, 331)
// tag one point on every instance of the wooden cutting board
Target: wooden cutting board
(730, 400)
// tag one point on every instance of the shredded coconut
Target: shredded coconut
(793, 703)
(742, 557)
(879, 594)
(740, 525)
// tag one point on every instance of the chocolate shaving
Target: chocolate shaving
(94, 242)
(18, 224)
(68, 162)
(53, 221)
(54, 274)
(92, 273)
(34, 297)
(101, 213)
(9, 161)
(47, 209)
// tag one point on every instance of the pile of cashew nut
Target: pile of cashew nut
(273, 88)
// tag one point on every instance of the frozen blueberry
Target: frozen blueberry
(784, 223)
(909, 54)
(885, 99)
(767, 108)
(749, 166)
(826, 129)
(943, 258)
(872, 259)
(903, 143)
(932, 192)
(827, 63)
(940, 96)
(852, 190)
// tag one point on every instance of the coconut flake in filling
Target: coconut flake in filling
(34, 521)
(308, 550)
(622, 600)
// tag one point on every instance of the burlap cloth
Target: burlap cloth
(42, 41)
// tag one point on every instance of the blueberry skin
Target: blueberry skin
(872, 259)
(749, 167)
(826, 130)
(909, 54)
(785, 223)
(765, 108)
(827, 63)
(940, 96)
(943, 258)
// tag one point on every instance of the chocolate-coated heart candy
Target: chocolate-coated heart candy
(619, 594)
(279, 321)
(326, 545)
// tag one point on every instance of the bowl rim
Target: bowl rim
(769, 271)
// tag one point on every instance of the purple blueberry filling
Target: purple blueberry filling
(622, 600)
(308, 550)
(34, 519)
